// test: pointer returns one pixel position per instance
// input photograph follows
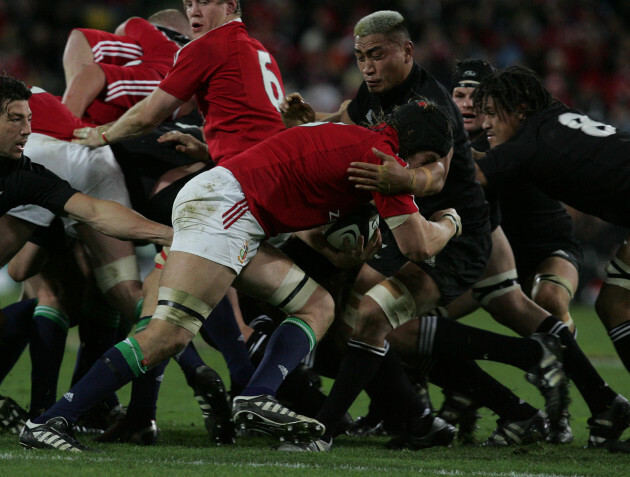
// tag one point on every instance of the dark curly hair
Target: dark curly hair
(12, 89)
(421, 126)
(515, 89)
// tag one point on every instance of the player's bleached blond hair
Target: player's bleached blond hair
(384, 22)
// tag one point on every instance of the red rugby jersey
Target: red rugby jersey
(237, 85)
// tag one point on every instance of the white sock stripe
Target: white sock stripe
(619, 332)
(428, 326)
(557, 327)
(368, 348)
(252, 349)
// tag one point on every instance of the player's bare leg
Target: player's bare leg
(554, 284)
(613, 302)
(273, 277)
(115, 269)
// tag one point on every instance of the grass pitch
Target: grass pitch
(184, 448)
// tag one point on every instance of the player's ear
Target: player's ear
(232, 6)
(408, 49)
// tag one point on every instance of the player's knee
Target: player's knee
(386, 306)
(371, 323)
(325, 309)
(495, 286)
(186, 312)
(553, 298)
(124, 269)
(159, 345)
(300, 294)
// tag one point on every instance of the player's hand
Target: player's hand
(388, 178)
(92, 137)
(187, 144)
(295, 111)
(348, 257)
(452, 216)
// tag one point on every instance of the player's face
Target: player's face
(15, 127)
(205, 15)
(463, 99)
(500, 126)
(383, 63)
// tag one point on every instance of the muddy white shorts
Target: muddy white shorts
(211, 219)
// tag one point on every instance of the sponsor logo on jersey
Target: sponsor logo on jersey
(69, 396)
(430, 262)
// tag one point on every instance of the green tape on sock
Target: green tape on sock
(130, 349)
(305, 328)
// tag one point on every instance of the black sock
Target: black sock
(592, 387)
(448, 339)
(359, 365)
(620, 336)
(14, 337)
(467, 378)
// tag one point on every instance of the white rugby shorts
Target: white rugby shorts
(211, 219)
(93, 171)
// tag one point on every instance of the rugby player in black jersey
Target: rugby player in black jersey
(384, 55)
(23, 182)
(579, 161)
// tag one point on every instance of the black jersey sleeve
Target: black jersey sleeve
(31, 183)
(507, 162)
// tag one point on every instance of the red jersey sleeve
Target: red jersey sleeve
(193, 65)
(147, 36)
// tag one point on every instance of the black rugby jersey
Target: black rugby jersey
(571, 158)
(461, 190)
(23, 182)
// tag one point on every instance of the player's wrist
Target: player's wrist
(104, 138)
(412, 182)
(455, 221)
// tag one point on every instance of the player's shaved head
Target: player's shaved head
(385, 22)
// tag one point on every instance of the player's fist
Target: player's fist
(295, 111)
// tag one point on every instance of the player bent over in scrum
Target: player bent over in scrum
(297, 181)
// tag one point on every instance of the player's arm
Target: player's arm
(116, 220)
(295, 111)
(141, 119)
(481, 177)
(346, 258)
(390, 177)
(341, 116)
(29, 261)
(84, 87)
(15, 233)
(419, 239)
(187, 144)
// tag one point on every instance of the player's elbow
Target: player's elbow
(18, 272)
(415, 251)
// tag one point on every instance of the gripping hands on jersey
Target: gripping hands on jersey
(93, 137)
(295, 111)
(388, 178)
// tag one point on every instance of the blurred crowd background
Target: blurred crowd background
(581, 48)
